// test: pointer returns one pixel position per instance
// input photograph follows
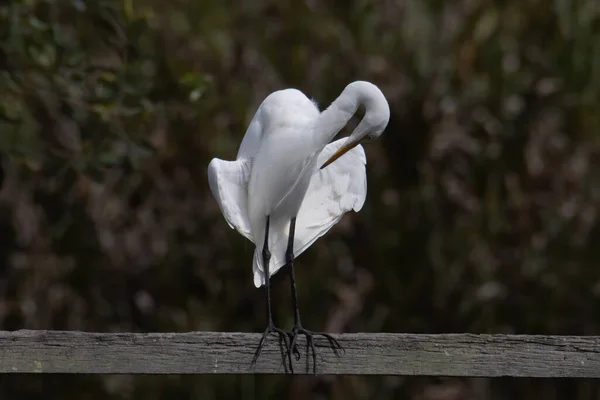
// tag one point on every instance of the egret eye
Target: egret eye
(368, 138)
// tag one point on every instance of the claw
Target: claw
(293, 345)
(282, 336)
(310, 342)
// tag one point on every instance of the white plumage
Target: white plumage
(276, 172)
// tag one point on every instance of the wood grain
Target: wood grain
(365, 354)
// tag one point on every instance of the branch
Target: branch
(365, 354)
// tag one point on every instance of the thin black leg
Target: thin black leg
(266, 259)
(289, 260)
(298, 329)
(266, 254)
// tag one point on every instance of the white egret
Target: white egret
(275, 195)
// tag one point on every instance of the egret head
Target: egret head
(377, 115)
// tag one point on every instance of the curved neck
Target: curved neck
(336, 116)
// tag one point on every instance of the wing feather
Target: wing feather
(332, 192)
(228, 181)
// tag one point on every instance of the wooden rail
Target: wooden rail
(365, 354)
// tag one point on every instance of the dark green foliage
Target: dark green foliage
(483, 205)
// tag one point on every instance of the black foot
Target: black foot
(310, 342)
(282, 336)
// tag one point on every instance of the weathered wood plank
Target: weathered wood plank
(365, 354)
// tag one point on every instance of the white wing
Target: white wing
(228, 181)
(333, 191)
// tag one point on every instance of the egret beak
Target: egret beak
(346, 147)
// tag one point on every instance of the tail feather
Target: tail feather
(275, 264)
(278, 238)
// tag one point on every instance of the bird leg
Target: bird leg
(298, 329)
(270, 325)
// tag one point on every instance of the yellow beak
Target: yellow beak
(340, 152)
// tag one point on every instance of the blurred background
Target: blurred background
(484, 192)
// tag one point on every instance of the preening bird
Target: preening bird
(288, 185)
